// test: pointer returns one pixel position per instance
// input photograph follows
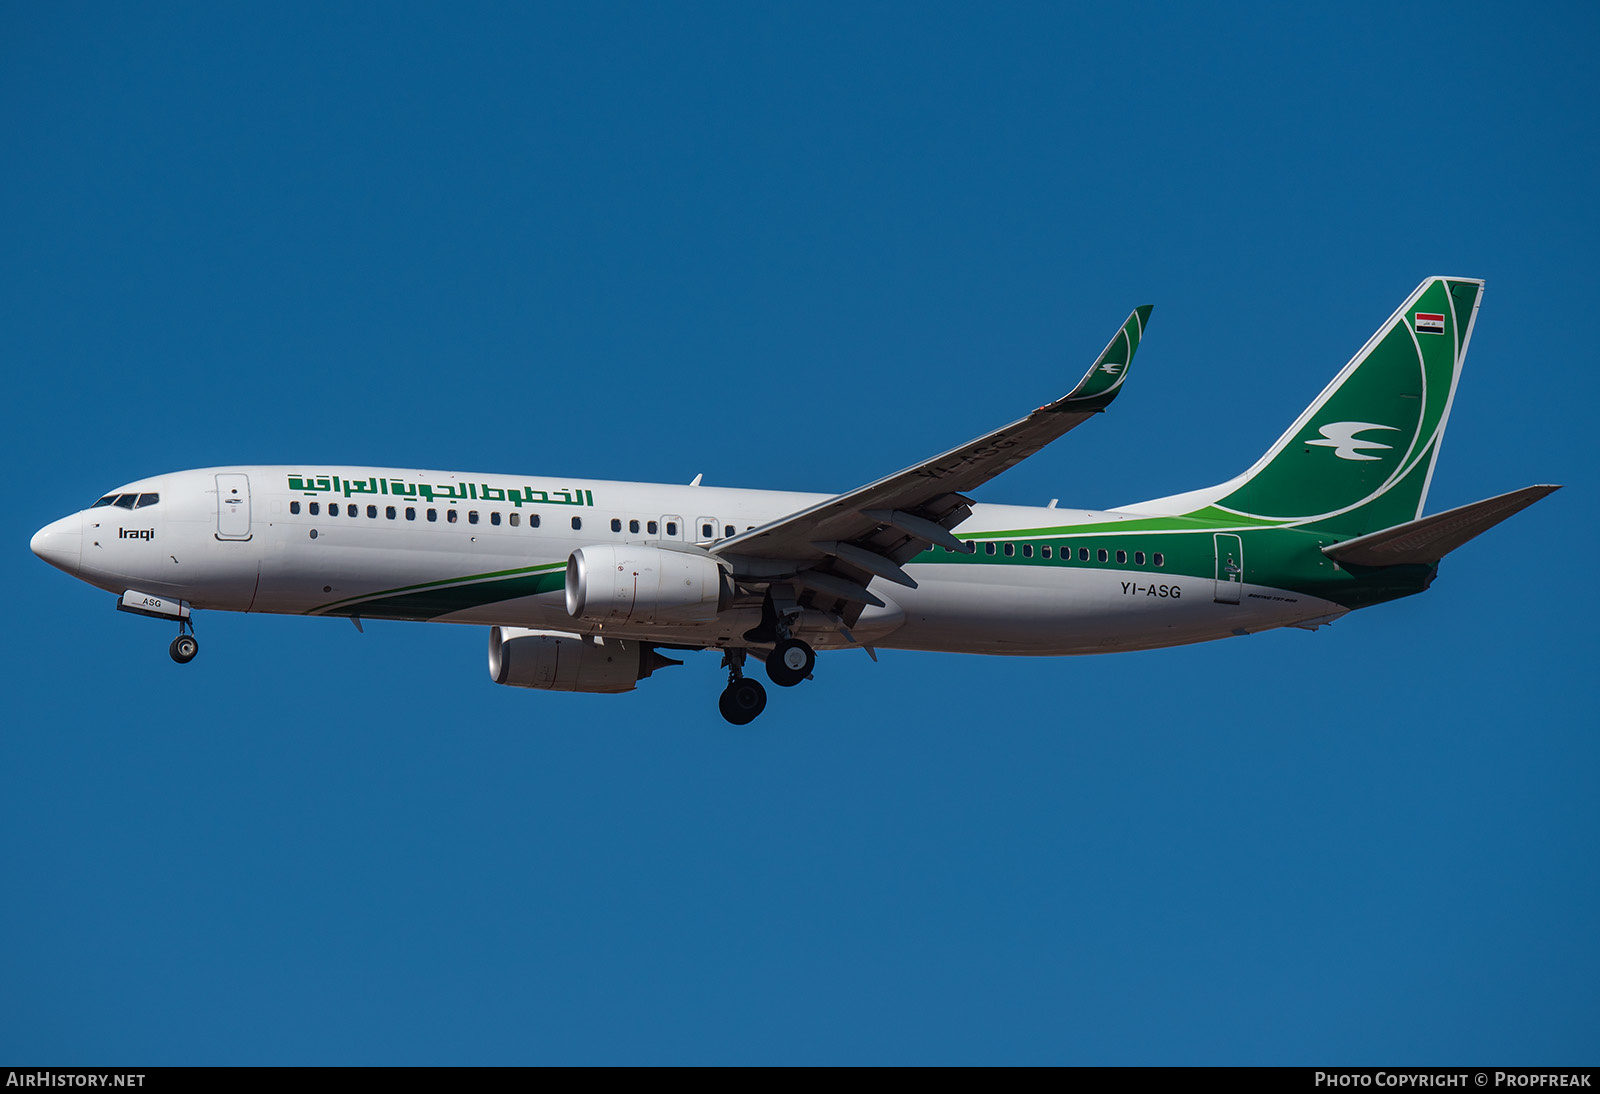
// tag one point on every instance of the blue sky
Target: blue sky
(793, 247)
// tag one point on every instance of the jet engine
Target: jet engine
(557, 661)
(633, 583)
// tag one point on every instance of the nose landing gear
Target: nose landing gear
(183, 648)
(153, 606)
(186, 645)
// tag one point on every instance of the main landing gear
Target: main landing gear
(790, 662)
(743, 698)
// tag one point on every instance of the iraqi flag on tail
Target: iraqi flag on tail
(1429, 322)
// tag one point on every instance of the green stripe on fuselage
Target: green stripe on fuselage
(430, 603)
(1279, 558)
(419, 593)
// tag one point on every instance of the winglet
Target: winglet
(896, 515)
(1104, 378)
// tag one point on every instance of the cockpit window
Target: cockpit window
(107, 500)
(125, 501)
(147, 500)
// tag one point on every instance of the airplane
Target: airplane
(583, 583)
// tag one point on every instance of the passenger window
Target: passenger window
(1159, 561)
(1100, 555)
(616, 525)
(125, 501)
(1122, 557)
(1044, 552)
(988, 548)
(411, 512)
(633, 526)
(494, 517)
(388, 512)
(147, 500)
(294, 507)
(333, 508)
(355, 510)
(450, 515)
(672, 527)
(314, 506)
(1083, 554)
(577, 524)
(706, 531)
(1138, 558)
(433, 516)
(1011, 549)
(533, 520)
(1027, 550)
(650, 526)
(472, 517)
(729, 531)
(516, 519)
(372, 512)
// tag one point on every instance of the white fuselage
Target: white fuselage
(361, 543)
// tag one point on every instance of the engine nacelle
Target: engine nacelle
(634, 583)
(566, 662)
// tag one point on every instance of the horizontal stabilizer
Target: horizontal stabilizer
(1429, 539)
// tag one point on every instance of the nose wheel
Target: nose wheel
(186, 645)
(183, 648)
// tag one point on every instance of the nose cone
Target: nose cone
(61, 543)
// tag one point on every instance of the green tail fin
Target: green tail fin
(1361, 456)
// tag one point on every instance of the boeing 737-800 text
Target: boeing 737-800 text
(583, 583)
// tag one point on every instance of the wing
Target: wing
(833, 549)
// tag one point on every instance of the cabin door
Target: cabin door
(233, 506)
